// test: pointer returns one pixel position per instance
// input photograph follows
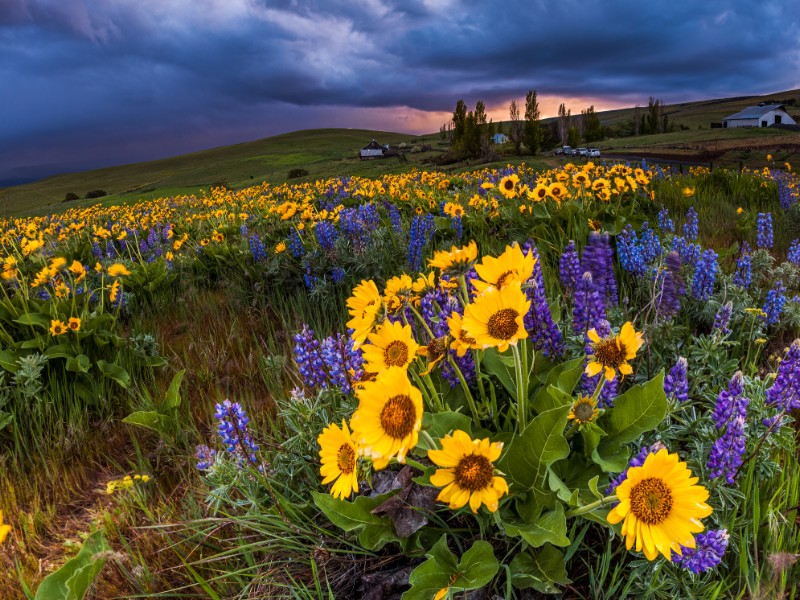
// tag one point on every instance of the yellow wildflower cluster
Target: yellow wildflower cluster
(125, 483)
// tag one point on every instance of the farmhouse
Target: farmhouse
(372, 150)
(499, 138)
(762, 115)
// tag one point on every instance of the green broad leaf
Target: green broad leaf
(79, 364)
(373, 531)
(5, 419)
(8, 360)
(60, 351)
(563, 376)
(540, 445)
(150, 419)
(33, 344)
(173, 399)
(637, 411)
(593, 487)
(552, 398)
(541, 570)
(440, 424)
(114, 372)
(476, 569)
(34, 320)
(591, 435)
(496, 364)
(551, 527)
(73, 579)
(612, 459)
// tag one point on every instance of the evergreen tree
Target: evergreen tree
(592, 128)
(459, 122)
(533, 127)
(517, 130)
(563, 123)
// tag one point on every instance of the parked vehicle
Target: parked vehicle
(583, 152)
(564, 151)
(593, 152)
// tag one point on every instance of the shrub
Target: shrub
(71, 196)
(96, 194)
(295, 173)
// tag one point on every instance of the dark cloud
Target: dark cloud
(90, 82)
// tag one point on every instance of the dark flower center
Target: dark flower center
(502, 325)
(435, 349)
(347, 459)
(396, 354)
(474, 472)
(584, 411)
(610, 352)
(508, 185)
(398, 416)
(651, 501)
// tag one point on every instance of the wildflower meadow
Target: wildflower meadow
(580, 382)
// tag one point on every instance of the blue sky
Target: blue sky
(89, 83)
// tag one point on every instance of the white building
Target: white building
(762, 115)
(499, 138)
(372, 150)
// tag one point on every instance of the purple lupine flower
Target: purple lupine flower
(670, 286)
(152, 238)
(309, 361)
(722, 319)
(689, 253)
(707, 553)
(97, 250)
(731, 402)
(598, 259)
(629, 250)
(664, 222)
(676, 383)
(649, 243)
(458, 227)
(419, 235)
(784, 394)
(691, 228)
(589, 307)
(394, 218)
(727, 453)
(538, 322)
(794, 253)
(205, 457)
(243, 230)
(743, 276)
(636, 461)
(326, 235)
(296, 244)
(705, 276)
(339, 358)
(111, 251)
(764, 237)
(785, 195)
(257, 248)
(569, 267)
(730, 412)
(234, 431)
(773, 305)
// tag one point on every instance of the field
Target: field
(176, 371)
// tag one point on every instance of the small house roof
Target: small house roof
(753, 112)
(373, 145)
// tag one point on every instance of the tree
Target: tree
(459, 122)
(517, 130)
(533, 128)
(636, 120)
(592, 128)
(573, 137)
(563, 123)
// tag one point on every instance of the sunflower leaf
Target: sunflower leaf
(637, 411)
(373, 531)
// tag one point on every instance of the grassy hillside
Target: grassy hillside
(322, 152)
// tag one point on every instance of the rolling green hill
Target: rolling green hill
(333, 152)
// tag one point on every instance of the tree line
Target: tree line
(470, 133)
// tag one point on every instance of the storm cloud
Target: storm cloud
(90, 83)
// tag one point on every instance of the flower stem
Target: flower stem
(520, 371)
(470, 400)
(590, 507)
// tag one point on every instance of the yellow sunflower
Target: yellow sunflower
(117, 270)
(364, 306)
(58, 327)
(508, 186)
(455, 261)
(392, 345)
(461, 339)
(339, 457)
(613, 353)
(388, 418)
(74, 324)
(584, 410)
(5, 529)
(397, 293)
(468, 474)
(660, 506)
(512, 265)
(539, 193)
(557, 191)
(495, 318)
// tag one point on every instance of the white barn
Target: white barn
(762, 115)
(372, 150)
(499, 138)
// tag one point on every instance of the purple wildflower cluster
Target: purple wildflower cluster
(598, 259)
(419, 236)
(538, 322)
(794, 253)
(234, 431)
(743, 276)
(730, 413)
(705, 275)
(722, 320)
(691, 228)
(774, 303)
(436, 307)
(707, 553)
(676, 383)
(589, 308)
(326, 235)
(784, 394)
(689, 252)
(257, 248)
(358, 223)
(205, 457)
(664, 222)
(786, 196)
(764, 236)
(671, 287)
(569, 266)
(330, 363)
